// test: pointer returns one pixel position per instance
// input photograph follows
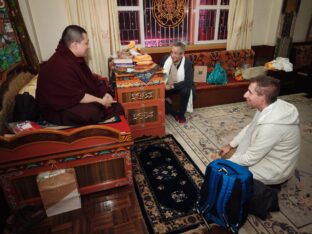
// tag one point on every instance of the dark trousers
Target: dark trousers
(82, 114)
(184, 98)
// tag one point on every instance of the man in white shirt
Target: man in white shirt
(269, 146)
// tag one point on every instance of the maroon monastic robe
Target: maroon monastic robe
(63, 81)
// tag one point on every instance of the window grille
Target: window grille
(207, 23)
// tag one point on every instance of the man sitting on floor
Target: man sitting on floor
(269, 146)
(67, 91)
(180, 80)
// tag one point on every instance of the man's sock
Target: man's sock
(180, 118)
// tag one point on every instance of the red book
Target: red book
(22, 126)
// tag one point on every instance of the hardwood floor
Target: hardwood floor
(113, 211)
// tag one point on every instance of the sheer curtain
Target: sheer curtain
(100, 19)
(240, 24)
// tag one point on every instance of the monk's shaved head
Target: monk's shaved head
(73, 33)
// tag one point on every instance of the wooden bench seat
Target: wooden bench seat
(100, 153)
(209, 94)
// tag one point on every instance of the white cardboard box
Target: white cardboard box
(70, 202)
(200, 73)
(59, 191)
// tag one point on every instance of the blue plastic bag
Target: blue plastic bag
(217, 76)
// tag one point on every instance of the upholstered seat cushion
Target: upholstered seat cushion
(230, 60)
(30, 87)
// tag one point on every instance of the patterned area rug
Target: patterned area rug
(167, 184)
(211, 127)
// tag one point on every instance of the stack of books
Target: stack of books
(123, 62)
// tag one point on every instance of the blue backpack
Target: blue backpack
(224, 194)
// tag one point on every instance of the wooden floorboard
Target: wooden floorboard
(113, 211)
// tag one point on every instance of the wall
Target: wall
(303, 20)
(46, 19)
(30, 25)
(266, 18)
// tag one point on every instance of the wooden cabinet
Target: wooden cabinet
(143, 103)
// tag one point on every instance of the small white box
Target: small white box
(59, 191)
(70, 202)
(200, 73)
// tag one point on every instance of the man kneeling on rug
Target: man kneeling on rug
(269, 146)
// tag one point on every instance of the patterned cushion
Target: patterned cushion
(229, 60)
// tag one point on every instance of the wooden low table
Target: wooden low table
(143, 103)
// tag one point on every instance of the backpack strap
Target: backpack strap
(212, 184)
(244, 195)
(224, 196)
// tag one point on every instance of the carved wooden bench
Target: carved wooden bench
(99, 153)
(210, 94)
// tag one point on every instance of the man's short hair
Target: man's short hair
(73, 33)
(181, 45)
(267, 86)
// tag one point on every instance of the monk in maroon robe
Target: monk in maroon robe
(67, 91)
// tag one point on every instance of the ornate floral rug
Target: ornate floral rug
(211, 127)
(167, 185)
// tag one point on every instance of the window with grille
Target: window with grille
(155, 23)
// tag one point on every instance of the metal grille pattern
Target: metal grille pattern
(127, 2)
(222, 32)
(156, 35)
(206, 26)
(212, 23)
(129, 26)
